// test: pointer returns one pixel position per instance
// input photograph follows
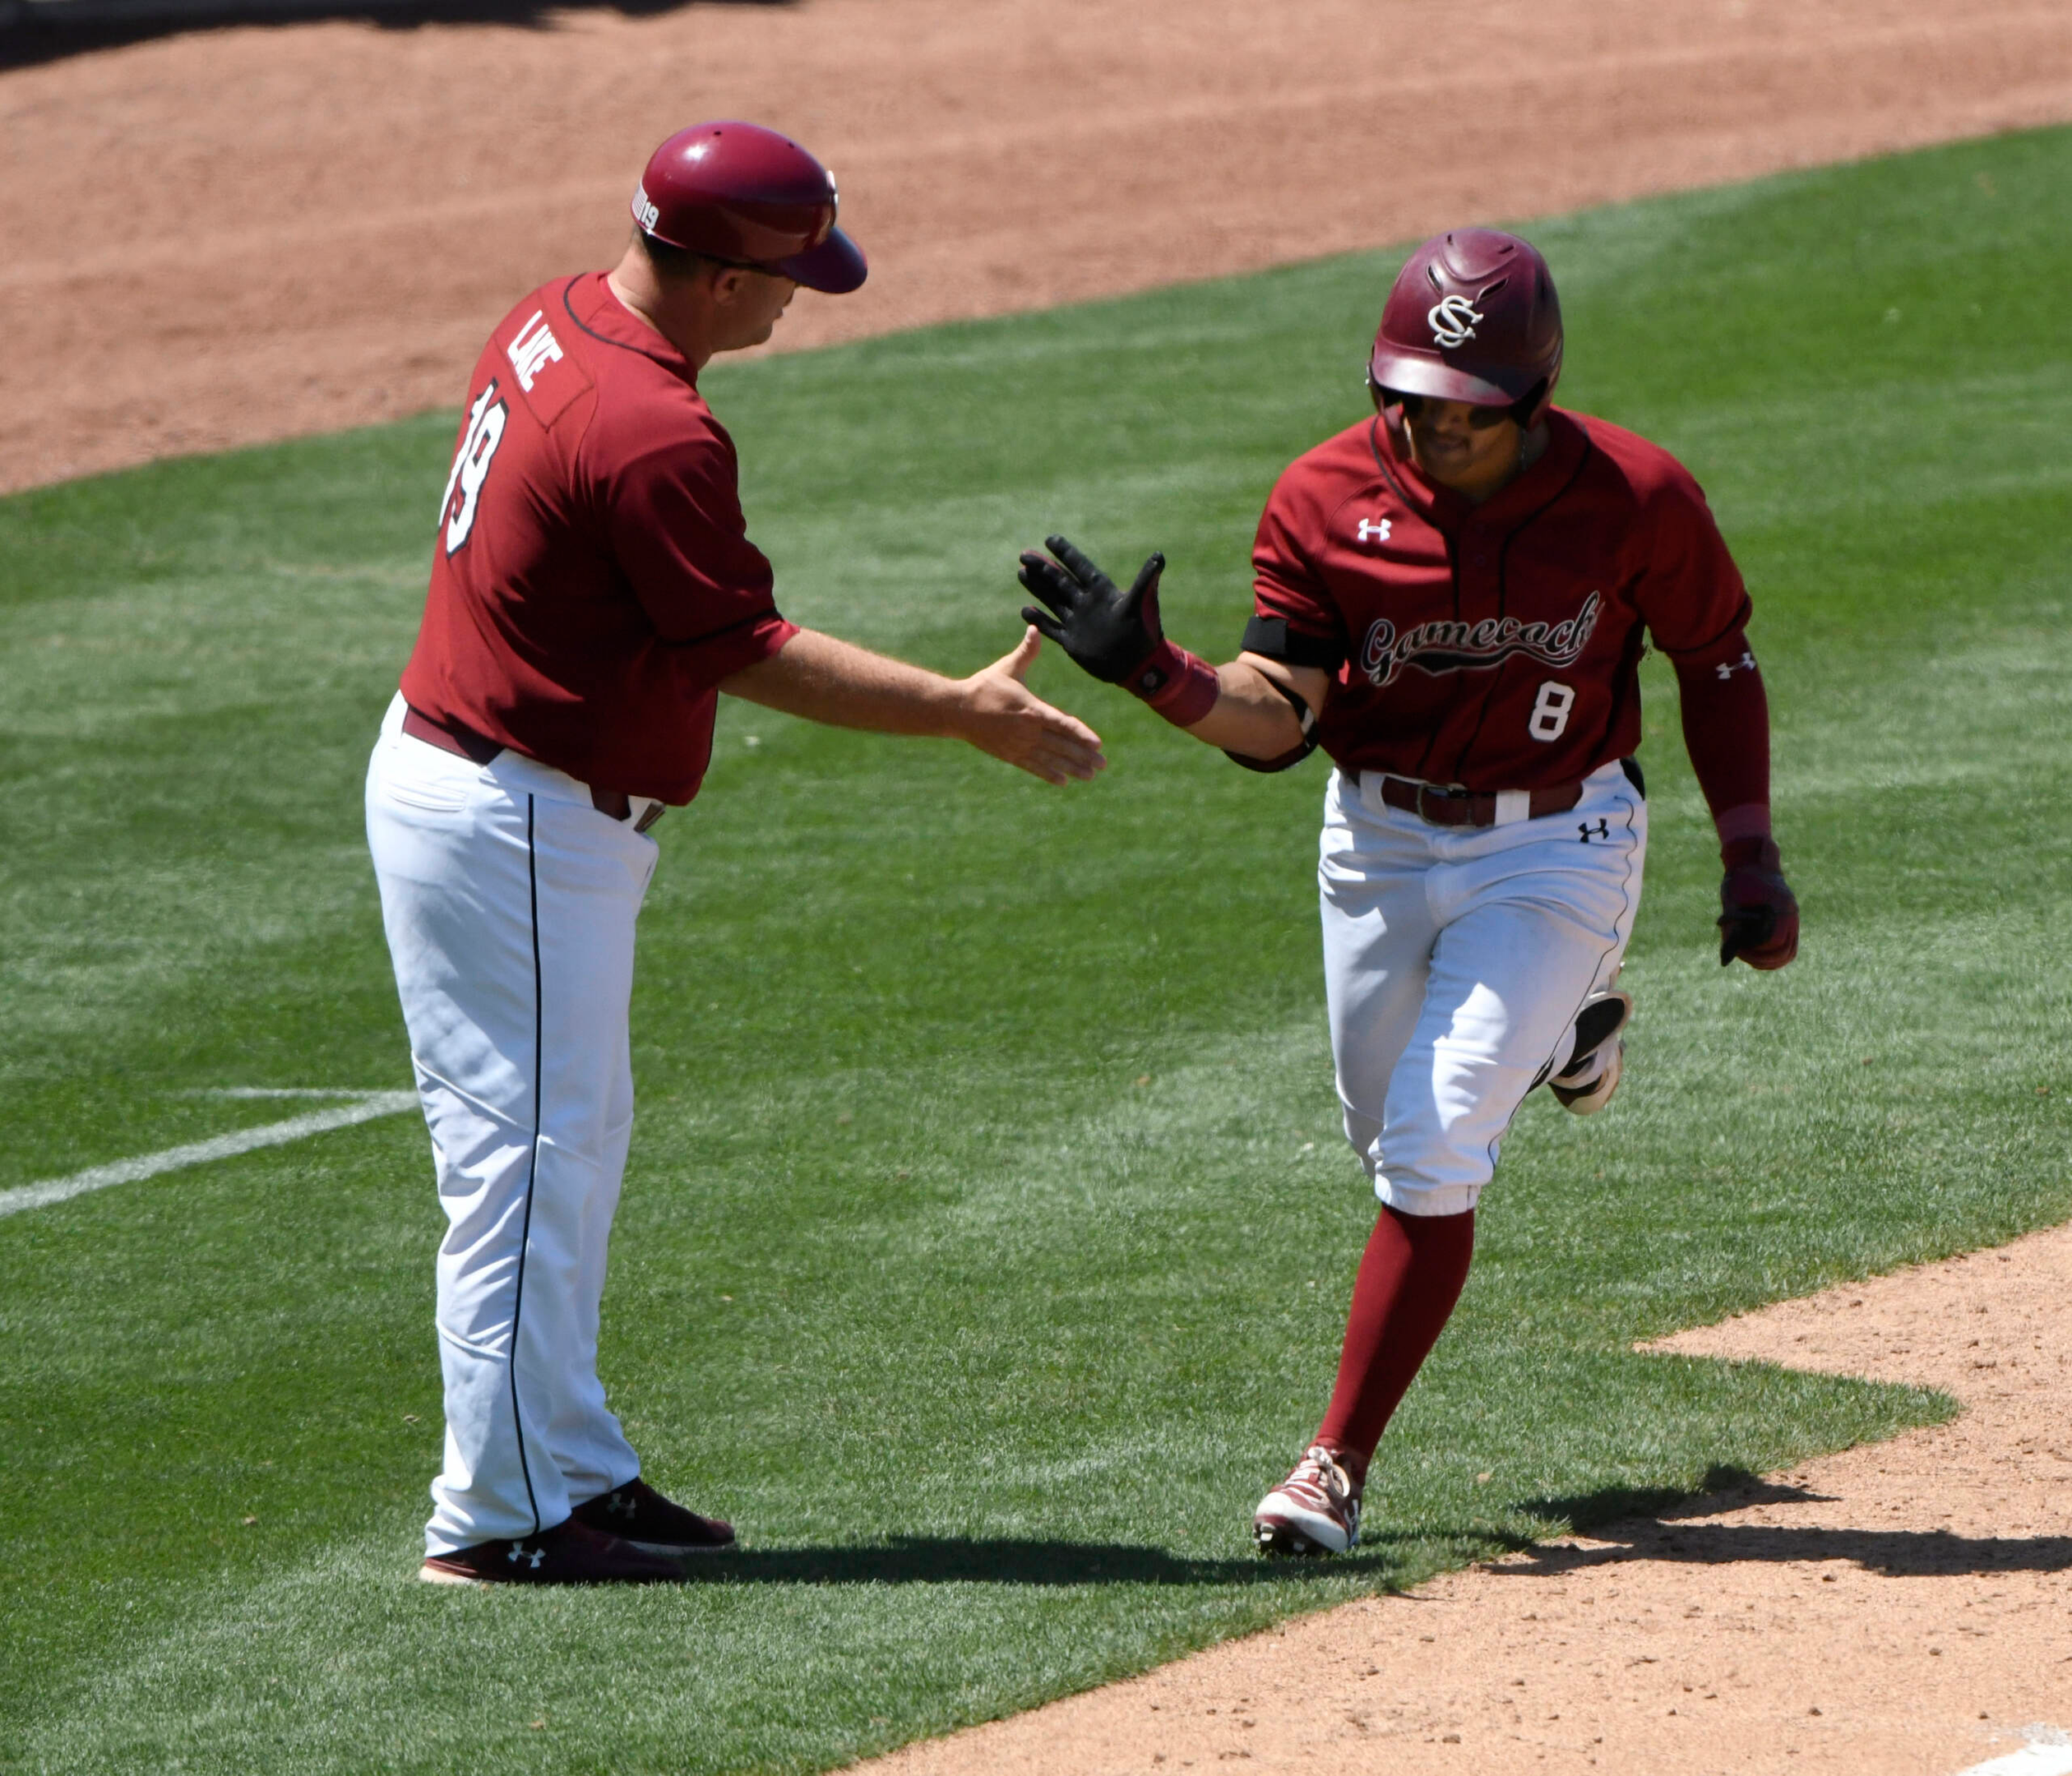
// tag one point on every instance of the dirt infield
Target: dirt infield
(1901, 1609)
(247, 233)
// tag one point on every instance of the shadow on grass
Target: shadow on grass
(951, 1560)
(1631, 1525)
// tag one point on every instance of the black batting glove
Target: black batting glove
(1110, 632)
(1759, 917)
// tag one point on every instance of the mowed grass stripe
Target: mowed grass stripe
(988, 1345)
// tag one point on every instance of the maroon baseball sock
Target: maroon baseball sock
(1410, 1277)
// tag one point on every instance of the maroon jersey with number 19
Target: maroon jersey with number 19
(592, 581)
(1492, 646)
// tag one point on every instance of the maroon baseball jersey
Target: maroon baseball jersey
(593, 580)
(1492, 646)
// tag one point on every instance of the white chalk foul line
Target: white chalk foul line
(272, 1091)
(2038, 1758)
(365, 1108)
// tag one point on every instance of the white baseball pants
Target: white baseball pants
(1455, 958)
(509, 902)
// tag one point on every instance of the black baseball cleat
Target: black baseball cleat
(1585, 1085)
(570, 1553)
(637, 1514)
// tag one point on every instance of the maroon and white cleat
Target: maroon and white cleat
(1315, 1510)
(636, 1513)
(570, 1553)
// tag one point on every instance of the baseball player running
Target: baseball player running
(593, 589)
(1452, 599)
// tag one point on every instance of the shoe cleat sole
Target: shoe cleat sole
(1281, 1540)
(1589, 1099)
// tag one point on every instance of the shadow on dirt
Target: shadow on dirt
(33, 32)
(1659, 1526)
(1723, 1488)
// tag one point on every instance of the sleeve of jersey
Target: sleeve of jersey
(1726, 726)
(676, 526)
(1293, 616)
(1697, 611)
(1691, 594)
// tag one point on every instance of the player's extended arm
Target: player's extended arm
(1726, 725)
(1258, 710)
(824, 680)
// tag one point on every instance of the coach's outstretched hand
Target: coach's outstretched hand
(1001, 715)
(1758, 919)
(1109, 631)
(826, 680)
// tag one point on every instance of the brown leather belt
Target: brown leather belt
(479, 749)
(1468, 807)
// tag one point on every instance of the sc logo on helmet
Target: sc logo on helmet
(1453, 321)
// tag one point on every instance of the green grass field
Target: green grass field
(988, 1228)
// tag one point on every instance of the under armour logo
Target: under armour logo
(1727, 668)
(1453, 321)
(620, 1505)
(1602, 829)
(531, 1557)
(1374, 529)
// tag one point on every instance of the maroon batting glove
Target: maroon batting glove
(1758, 919)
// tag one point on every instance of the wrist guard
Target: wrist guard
(1180, 685)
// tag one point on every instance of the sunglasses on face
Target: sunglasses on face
(1479, 419)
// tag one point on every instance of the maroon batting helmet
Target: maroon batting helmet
(746, 194)
(1473, 317)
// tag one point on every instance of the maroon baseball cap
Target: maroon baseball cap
(744, 194)
(1473, 317)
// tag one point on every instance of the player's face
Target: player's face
(1459, 447)
(746, 306)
